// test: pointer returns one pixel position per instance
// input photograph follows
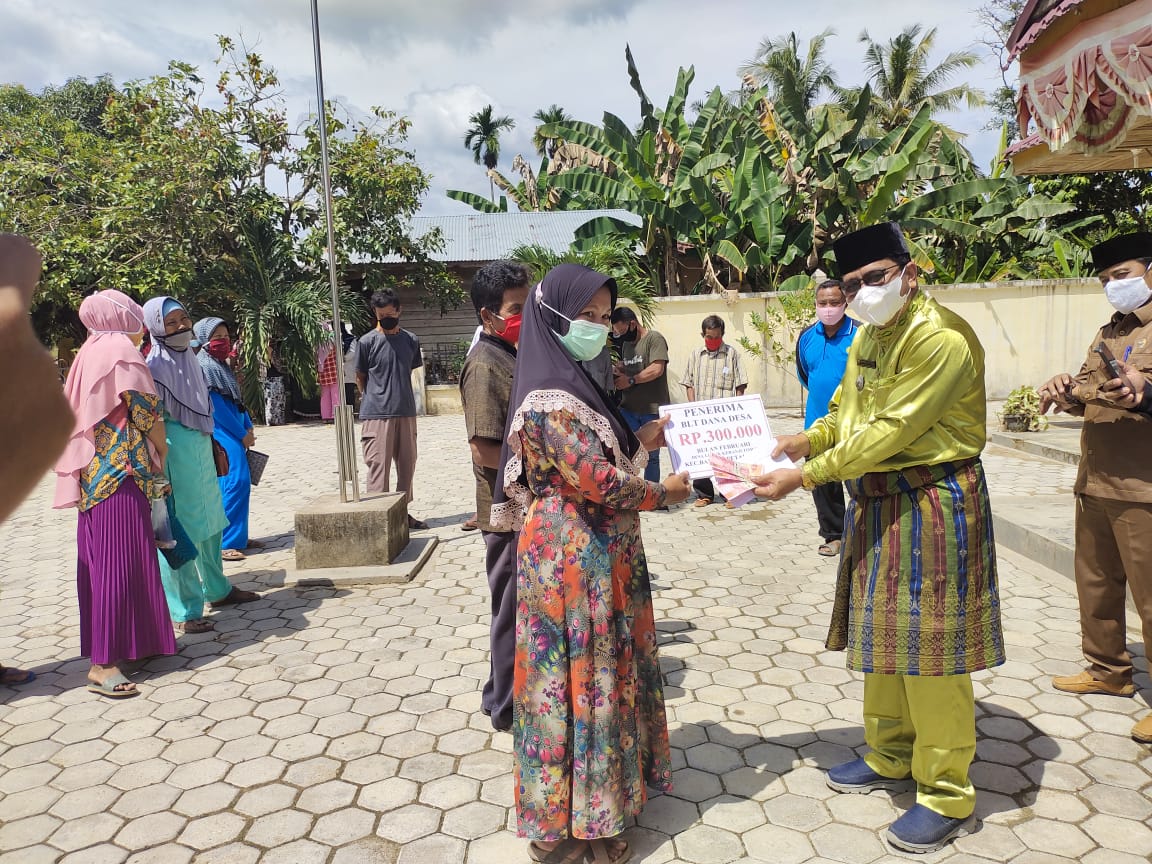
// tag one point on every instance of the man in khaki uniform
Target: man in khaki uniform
(1114, 484)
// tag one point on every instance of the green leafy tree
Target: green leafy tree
(997, 19)
(278, 308)
(903, 79)
(782, 322)
(115, 192)
(544, 145)
(613, 257)
(760, 189)
(483, 139)
(792, 78)
(536, 190)
(155, 188)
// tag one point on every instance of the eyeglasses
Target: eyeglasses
(872, 278)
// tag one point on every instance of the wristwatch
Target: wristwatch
(631, 380)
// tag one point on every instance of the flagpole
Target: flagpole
(345, 431)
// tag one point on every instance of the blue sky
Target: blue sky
(437, 61)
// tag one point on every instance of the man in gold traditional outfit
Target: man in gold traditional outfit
(917, 601)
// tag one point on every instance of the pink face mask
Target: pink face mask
(830, 315)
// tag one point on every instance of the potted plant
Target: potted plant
(1021, 411)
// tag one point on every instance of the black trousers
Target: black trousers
(500, 562)
(829, 500)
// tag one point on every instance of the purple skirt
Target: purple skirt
(123, 613)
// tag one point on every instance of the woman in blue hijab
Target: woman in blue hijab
(232, 431)
(191, 469)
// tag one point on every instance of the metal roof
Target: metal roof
(490, 236)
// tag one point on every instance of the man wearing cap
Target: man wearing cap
(917, 603)
(1114, 483)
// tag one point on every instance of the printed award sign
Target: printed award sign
(734, 428)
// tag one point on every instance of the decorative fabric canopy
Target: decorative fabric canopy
(1087, 84)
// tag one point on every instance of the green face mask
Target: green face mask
(584, 340)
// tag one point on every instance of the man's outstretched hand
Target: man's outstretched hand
(776, 484)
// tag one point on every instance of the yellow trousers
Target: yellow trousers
(924, 726)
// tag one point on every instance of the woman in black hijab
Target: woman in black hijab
(589, 727)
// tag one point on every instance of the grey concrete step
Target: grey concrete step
(1027, 442)
(1039, 527)
(1033, 506)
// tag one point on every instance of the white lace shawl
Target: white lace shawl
(509, 515)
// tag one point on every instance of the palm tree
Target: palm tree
(902, 80)
(278, 306)
(794, 80)
(544, 145)
(614, 257)
(483, 139)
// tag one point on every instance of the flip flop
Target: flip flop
(599, 854)
(829, 549)
(108, 686)
(233, 555)
(8, 681)
(416, 525)
(470, 525)
(702, 502)
(568, 852)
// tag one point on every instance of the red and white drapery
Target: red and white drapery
(1085, 91)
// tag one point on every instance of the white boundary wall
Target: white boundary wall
(1030, 331)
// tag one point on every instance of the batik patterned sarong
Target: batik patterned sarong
(917, 590)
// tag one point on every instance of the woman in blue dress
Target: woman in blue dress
(232, 431)
(191, 469)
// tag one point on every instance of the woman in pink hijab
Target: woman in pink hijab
(111, 469)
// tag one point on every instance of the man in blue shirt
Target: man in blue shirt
(821, 357)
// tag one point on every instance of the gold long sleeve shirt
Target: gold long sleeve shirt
(912, 394)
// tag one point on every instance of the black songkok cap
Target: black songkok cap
(1126, 247)
(869, 244)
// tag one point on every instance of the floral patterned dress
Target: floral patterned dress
(589, 724)
(122, 451)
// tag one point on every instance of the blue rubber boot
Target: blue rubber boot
(923, 830)
(856, 777)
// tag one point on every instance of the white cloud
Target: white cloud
(395, 22)
(440, 60)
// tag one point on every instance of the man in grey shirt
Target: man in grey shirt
(384, 362)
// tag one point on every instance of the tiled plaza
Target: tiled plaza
(342, 726)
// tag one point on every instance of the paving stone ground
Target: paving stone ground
(343, 726)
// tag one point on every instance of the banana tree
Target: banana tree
(535, 191)
(695, 183)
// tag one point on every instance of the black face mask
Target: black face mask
(626, 336)
(389, 322)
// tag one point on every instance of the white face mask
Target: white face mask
(1127, 295)
(878, 304)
